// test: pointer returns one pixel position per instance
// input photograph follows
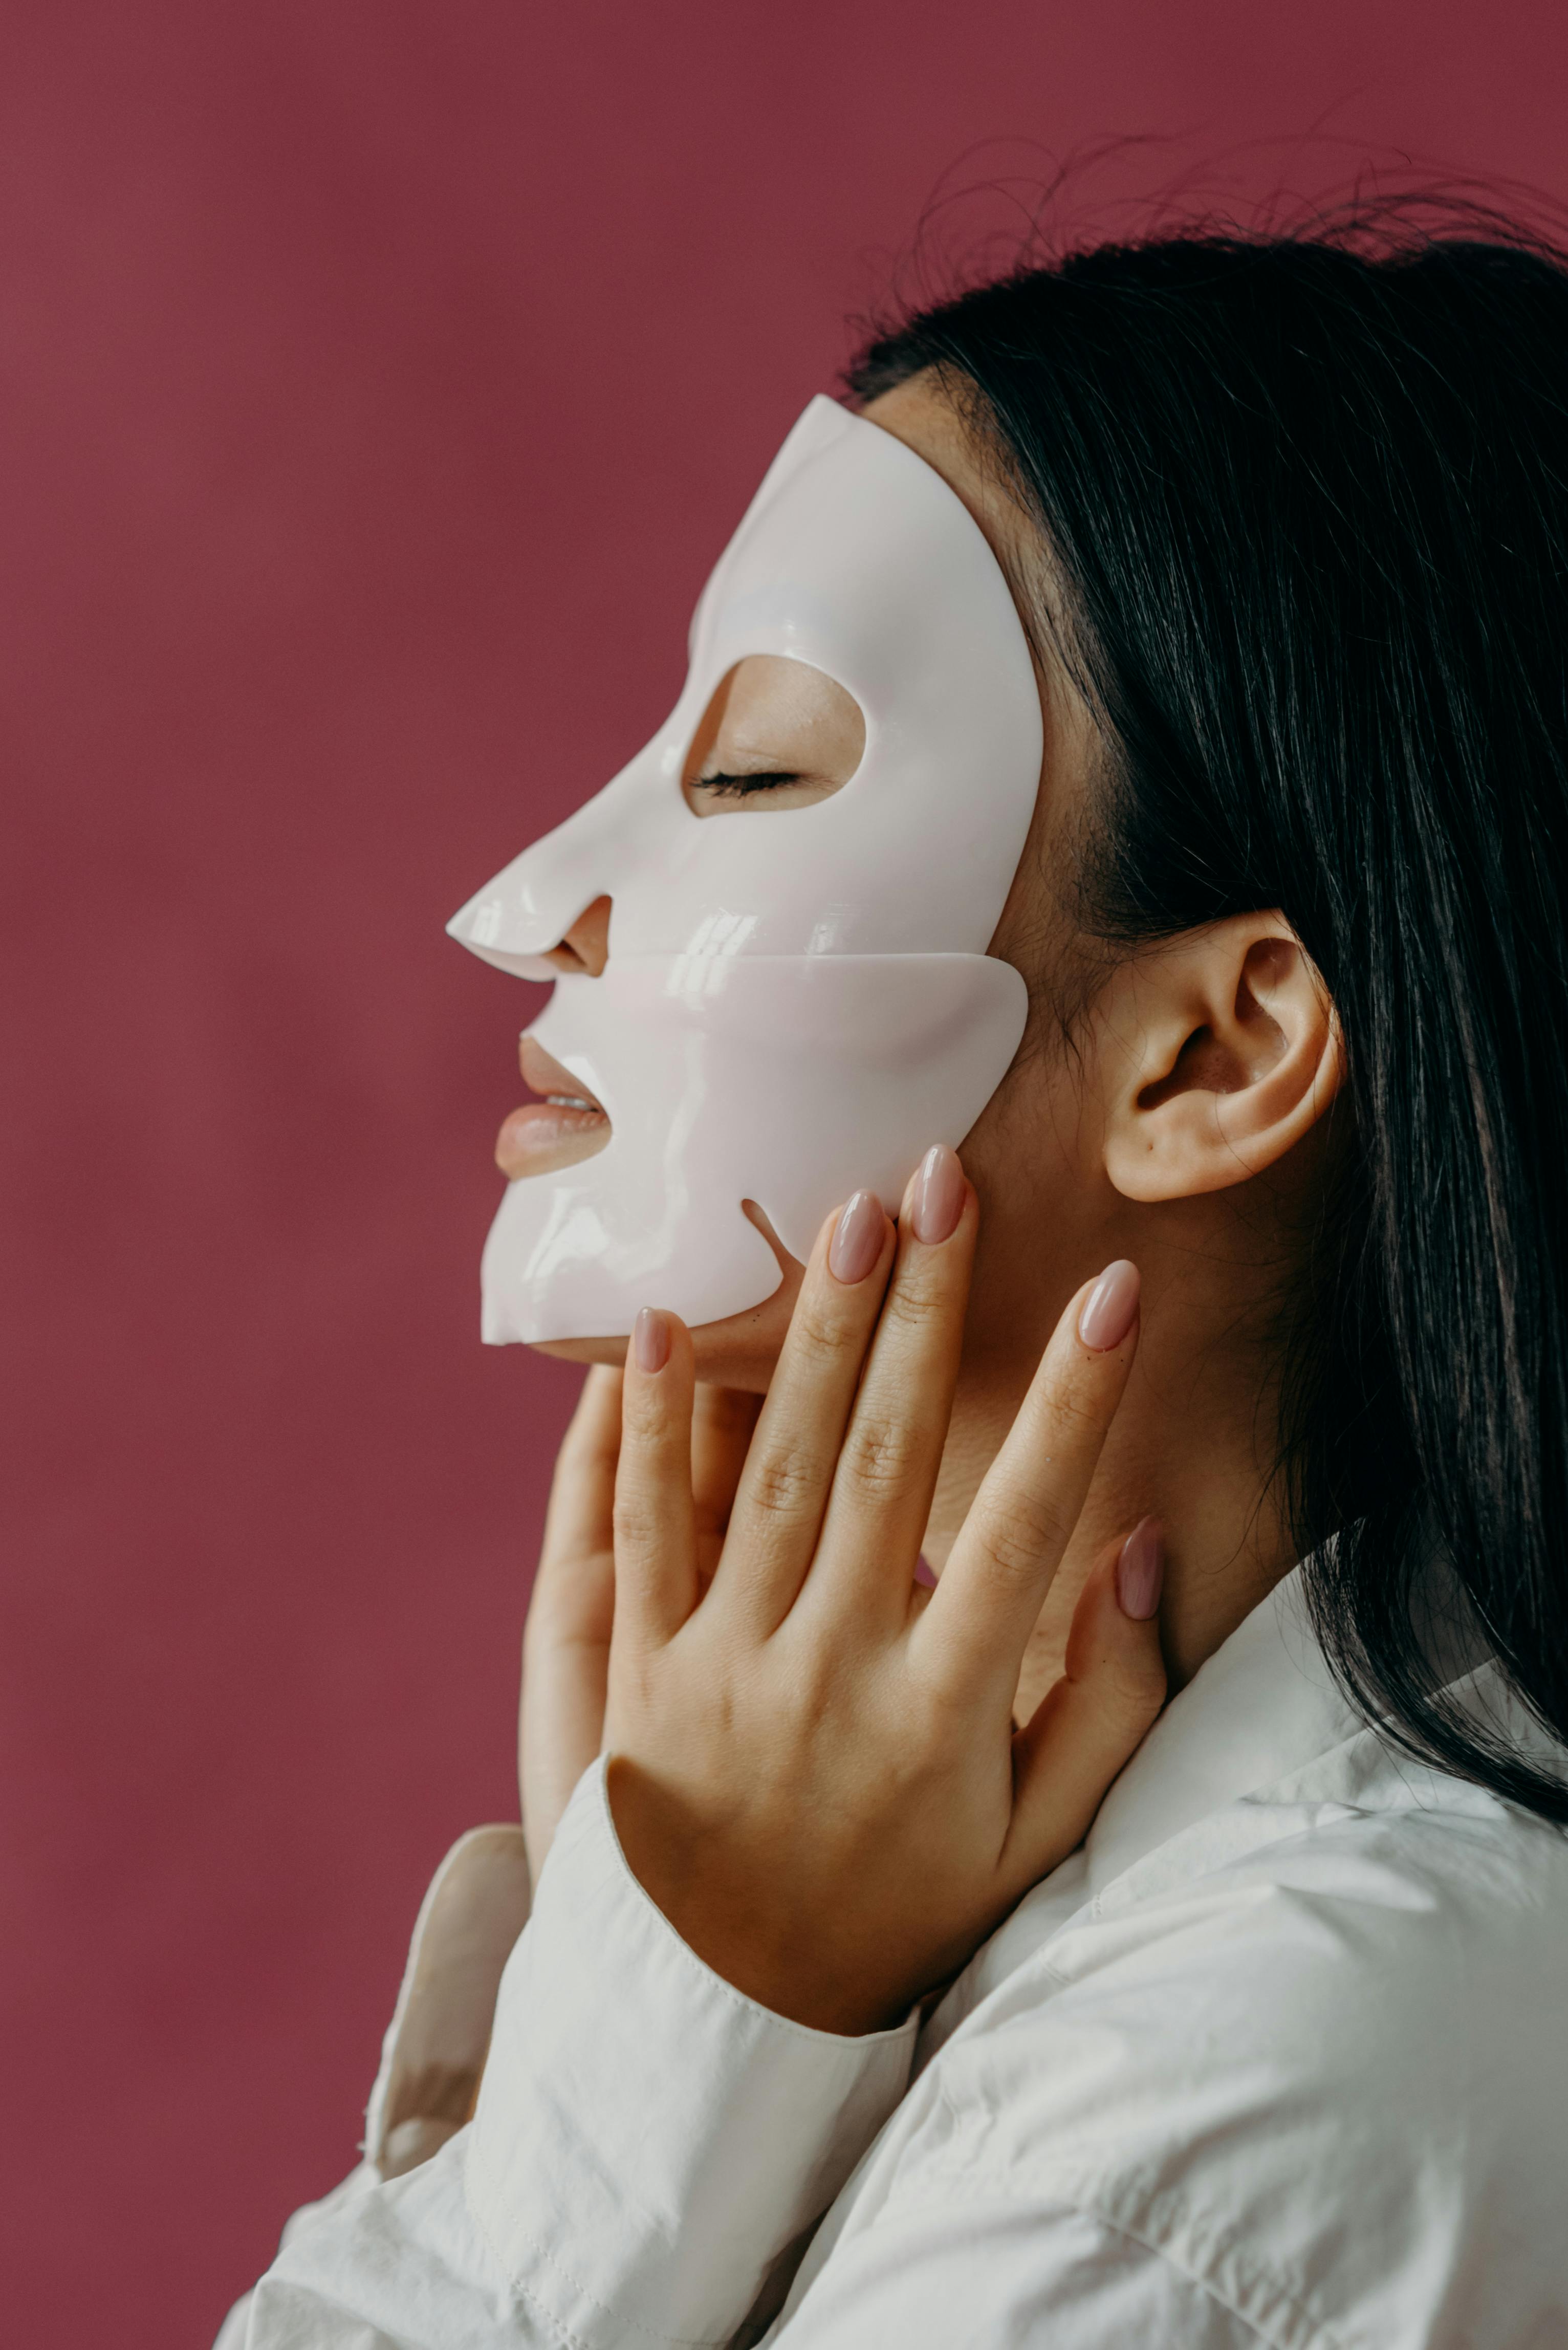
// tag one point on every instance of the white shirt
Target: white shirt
(1279, 2057)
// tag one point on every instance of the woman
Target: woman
(852, 2009)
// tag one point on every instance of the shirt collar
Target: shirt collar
(1262, 1705)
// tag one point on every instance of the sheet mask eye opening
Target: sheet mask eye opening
(777, 735)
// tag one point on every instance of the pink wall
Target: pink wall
(380, 380)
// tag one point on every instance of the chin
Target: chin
(739, 1352)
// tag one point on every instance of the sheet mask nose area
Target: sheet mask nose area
(585, 945)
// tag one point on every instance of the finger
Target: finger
(1089, 1725)
(566, 1642)
(974, 1631)
(784, 1485)
(579, 1521)
(655, 1545)
(560, 1727)
(721, 1426)
(892, 1448)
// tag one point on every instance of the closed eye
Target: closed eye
(737, 787)
(777, 734)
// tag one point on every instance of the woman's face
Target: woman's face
(780, 735)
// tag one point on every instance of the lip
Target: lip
(564, 1125)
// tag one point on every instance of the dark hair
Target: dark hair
(1308, 500)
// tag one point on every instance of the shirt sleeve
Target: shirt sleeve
(647, 2145)
(991, 2272)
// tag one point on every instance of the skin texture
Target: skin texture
(1180, 1125)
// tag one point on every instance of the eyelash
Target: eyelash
(737, 787)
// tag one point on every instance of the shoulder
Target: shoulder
(1326, 2072)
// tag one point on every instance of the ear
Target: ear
(1217, 1052)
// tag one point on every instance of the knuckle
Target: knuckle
(880, 1455)
(638, 1522)
(648, 1420)
(639, 1426)
(917, 1307)
(1125, 1691)
(1078, 1414)
(824, 1331)
(1137, 1687)
(784, 1484)
(1020, 1532)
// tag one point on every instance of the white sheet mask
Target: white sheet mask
(797, 1001)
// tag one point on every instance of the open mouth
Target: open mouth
(562, 1124)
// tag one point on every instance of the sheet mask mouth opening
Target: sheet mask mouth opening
(554, 1131)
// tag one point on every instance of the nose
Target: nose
(584, 946)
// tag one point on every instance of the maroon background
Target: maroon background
(380, 380)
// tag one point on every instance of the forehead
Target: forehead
(928, 421)
(862, 553)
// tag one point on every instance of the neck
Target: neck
(1194, 1445)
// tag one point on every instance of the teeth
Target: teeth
(569, 1101)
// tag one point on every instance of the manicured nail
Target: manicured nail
(1107, 1313)
(1141, 1571)
(936, 1202)
(651, 1339)
(857, 1242)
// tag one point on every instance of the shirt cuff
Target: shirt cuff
(648, 2140)
(434, 2052)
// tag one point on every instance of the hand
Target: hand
(815, 1771)
(566, 1643)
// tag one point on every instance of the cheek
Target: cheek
(1030, 1157)
(1031, 1150)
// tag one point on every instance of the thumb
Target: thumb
(1097, 1715)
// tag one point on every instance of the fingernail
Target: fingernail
(651, 1339)
(857, 1242)
(1141, 1571)
(1108, 1311)
(936, 1202)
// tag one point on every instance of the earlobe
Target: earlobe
(1220, 1051)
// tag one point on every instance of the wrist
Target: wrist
(737, 1917)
